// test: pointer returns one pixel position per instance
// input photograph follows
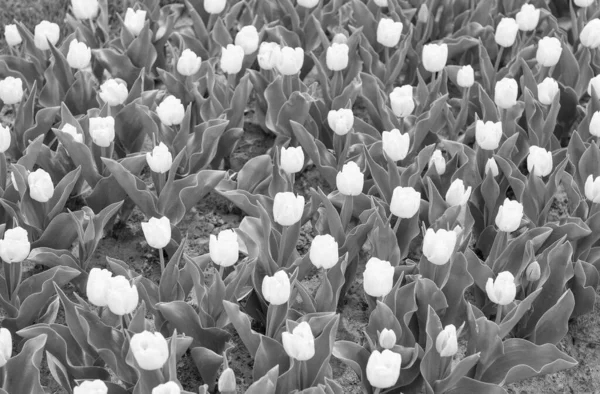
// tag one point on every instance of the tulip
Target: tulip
(509, 216)
(85, 9)
(121, 297)
(300, 343)
(378, 278)
(438, 246)
(79, 55)
(46, 33)
(506, 32)
(405, 202)
(150, 350)
(308, 3)
(227, 382)
(189, 63)
(135, 21)
(214, 6)
(583, 3)
(268, 55)
(276, 289)
(97, 284)
(435, 57)
(287, 208)
(383, 369)
(389, 32)
(337, 57)
(592, 189)
(72, 131)
(5, 346)
(547, 90)
(492, 166)
(423, 14)
(15, 246)
(595, 82)
(381, 3)
(465, 77)
(248, 39)
(488, 134)
(401, 100)
(528, 17)
(539, 161)
(102, 131)
(438, 161)
(224, 249)
(160, 159)
(157, 232)
(387, 339)
(11, 90)
(160, 32)
(446, 342)
(324, 251)
(533, 272)
(292, 159)
(232, 58)
(590, 34)
(91, 387)
(350, 180)
(41, 188)
(167, 388)
(340, 121)
(503, 290)
(505, 93)
(12, 36)
(171, 111)
(457, 194)
(339, 38)
(290, 61)
(114, 92)
(548, 51)
(595, 124)
(5, 139)
(395, 144)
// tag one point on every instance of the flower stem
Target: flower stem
(162, 260)
(499, 314)
(221, 271)
(12, 274)
(284, 236)
(377, 391)
(397, 225)
(498, 59)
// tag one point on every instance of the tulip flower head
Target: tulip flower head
(85, 9)
(157, 232)
(465, 77)
(324, 251)
(121, 296)
(150, 350)
(300, 343)
(503, 290)
(395, 144)
(505, 93)
(438, 162)
(457, 193)
(91, 387)
(72, 131)
(337, 57)
(389, 32)
(224, 249)
(438, 246)
(79, 55)
(595, 85)
(114, 92)
(533, 272)
(406, 202)
(590, 34)
(276, 289)
(102, 130)
(492, 166)
(248, 39)
(547, 90)
(340, 121)
(160, 159)
(41, 188)
(5, 346)
(5, 139)
(506, 32)
(287, 208)
(12, 36)
(15, 246)
(308, 3)
(383, 369)
(46, 34)
(509, 216)
(548, 51)
(488, 134)
(268, 55)
(170, 111)
(97, 285)
(592, 189)
(167, 388)
(401, 100)
(539, 161)
(11, 90)
(232, 58)
(350, 180)
(435, 57)
(290, 61)
(528, 18)
(134, 21)
(583, 3)
(595, 124)
(387, 339)
(446, 342)
(292, 159)
(214, 6)
(378, 278)
(189, 63)
(227, 382)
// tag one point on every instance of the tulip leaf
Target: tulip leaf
(356, 357)
(468, 385)
(266, 384)
(269, 354)
(208, 364)
(242, 324)
(553, 325)
(26, 364)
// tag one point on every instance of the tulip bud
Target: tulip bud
(248, 39)
(290, 61)
(389, 32)
(405, 202)
(423, 14)
(539, 161)
(214, 6)
(287, 208)
(227, 382)
(592, 189)
(224, 249)
(383, 369)
(300, 343)
(547, 90)
(324, 251)
(167, 388)
(533, 272)
(509, 216)
(378, 278)
(595, 124)
(91, 387)
(79, 55)
(171, 111)
(5, 139)
(14, 180)
(102, 131)
(160, 159)
(15, 246)
(157, 232)
(268, 55)
(465, 77)
(594, 82)
(72, 131)
(350, 180)
(113, 92)
(492, 166)
(232, 58)
(160, 32)
(583, 3)
(548, 51)
(292, 159)
(506, 32)
(46, 33)
(528, 17)
(381, 3)
(387, 339)
(134, 21)
(11, 90)
(505, 93)
(97, 284)
(446, 342)
(85, 9)
(503, 290)
(337, 57)
(590, 34)
(438, 246)
(438, 161)
(12, 36)
(150, 350)
(340, 121)
(401, 100)
(457, 194)
(395, 145)
(189, 63)
(276, 289)
(435, 57)
(41, 188)
(488, 134)
(121, 297)
(308, 3)
(339, 38)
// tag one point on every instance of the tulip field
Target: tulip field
(299, 196)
